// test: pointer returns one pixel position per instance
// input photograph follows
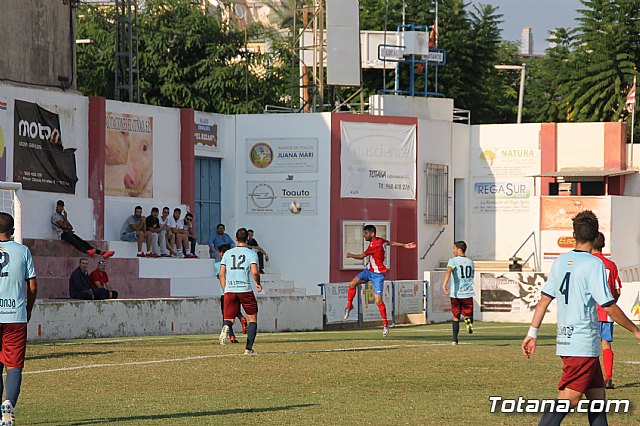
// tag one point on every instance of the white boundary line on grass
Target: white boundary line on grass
(198, 357)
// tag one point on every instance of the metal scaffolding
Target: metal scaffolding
(127, 73)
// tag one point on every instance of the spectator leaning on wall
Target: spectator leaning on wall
(64, 230)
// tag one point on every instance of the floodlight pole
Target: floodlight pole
(523, 69)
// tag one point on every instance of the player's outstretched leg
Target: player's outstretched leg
(383, 313)
(351, 294)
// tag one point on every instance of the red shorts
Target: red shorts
(14, 344)
(580, 373)
(464, 306)
(232, 302)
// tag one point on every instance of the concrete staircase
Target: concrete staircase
(487, 266)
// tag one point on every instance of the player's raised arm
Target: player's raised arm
(357, 256)
(529, 342)
(32, 292)
(222, 277)
(410, 245)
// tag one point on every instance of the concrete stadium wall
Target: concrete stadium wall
(37, 206)
(589, 137)
(150, 317)
(624, 241)
(166, 167)
(38, 44)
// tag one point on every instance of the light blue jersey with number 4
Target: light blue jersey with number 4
(578, 281)
(462, 271)
(16, 266)
(237, 262)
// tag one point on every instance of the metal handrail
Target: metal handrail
(433, 243)
(535, 251)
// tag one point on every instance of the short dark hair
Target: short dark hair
(83, 259)
(585, 226)
(223, 248)
(250, 230)
(461, 245)
(59, 203)
(6, 223)
(137, 208)
(241, 235)
(223, 227)
(598, 243)
(369, 228)
(177, 209)
(154, 209)
(165, 208)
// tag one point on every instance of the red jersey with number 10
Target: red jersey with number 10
(613, 280)
(376, 253)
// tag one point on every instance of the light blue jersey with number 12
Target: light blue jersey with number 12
(237, 262)
(16, 266)
(462, 271)
(578, 281)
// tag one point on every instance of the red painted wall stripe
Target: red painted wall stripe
(97, 158)
(548, 154)
(401, 213)
(615, 152)
(187, 158)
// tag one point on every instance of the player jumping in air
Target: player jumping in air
(373, 272)
(462, 269)
(18, 289)
(578, 280)
(243, 321)
(236, 267)
(606, 323)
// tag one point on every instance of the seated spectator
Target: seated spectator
(182, 236)
(79, 284)
(99, 281)
(218, 238)
(158, 239)
(165, 227)
(134, 229)
(64, 231)
(193, 239)
(176, 224)
(262, 254)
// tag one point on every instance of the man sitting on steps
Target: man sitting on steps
(64, 230)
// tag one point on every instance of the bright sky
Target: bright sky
(541, 15)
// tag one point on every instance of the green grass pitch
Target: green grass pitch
(413, 377)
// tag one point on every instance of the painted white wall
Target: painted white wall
(37, 206)
(166, 167)
(580, 145)
(625, 232)
(298, 246)
(503, 154)
(149, 317)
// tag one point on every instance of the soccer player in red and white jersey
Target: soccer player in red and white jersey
(374, 272)
(606, 323)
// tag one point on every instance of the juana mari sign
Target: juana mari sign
(378, 161)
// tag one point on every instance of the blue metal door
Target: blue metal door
(208, 196)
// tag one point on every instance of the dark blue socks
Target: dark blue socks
(14, 380)
(251, 334)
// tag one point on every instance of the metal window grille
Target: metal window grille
(437, 186)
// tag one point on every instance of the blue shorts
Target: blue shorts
(129, 237)
(376, 279)
(606, 331)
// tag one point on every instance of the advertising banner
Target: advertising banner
(336, 301)
(509, 161)
(40, 161)
(378, 161)
(409, 297)
(274, 197)
(129, 156)
(4, 123)
(206, 135)
(289, 155)
(504, 195)
(369, 308)
(510, 292)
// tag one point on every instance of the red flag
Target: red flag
(433, 35)
(631, 97)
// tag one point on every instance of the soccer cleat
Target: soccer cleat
(91, 252)
(609, 384)
(243, 323)
(250, 352)
(108, 254)
(455, 342)
(347, 310)
(233, 339)
(385, 331)
(224, 335)
(469, 325)
(8, 416)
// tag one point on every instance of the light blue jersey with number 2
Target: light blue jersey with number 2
(16, 266)
(237, 262)
(462, 271)
(578, 281)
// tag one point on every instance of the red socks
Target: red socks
(607, 357)
(351, 294)
(383, 313)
